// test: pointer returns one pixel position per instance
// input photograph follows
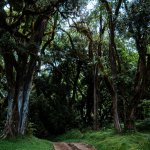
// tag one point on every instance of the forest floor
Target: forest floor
(106, 139)
(72, 146)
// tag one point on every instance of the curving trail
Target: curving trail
(72, 146)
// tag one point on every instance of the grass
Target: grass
(26, 143)
(102, 140)
(108, 140)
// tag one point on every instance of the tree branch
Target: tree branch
(108, 8)
(70, 38)
(117, 8)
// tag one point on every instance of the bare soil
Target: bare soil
(72, 146)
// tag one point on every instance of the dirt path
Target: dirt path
(72, 146)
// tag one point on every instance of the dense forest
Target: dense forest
(74, 64)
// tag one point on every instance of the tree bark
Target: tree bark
(24, 110)
(79, 64)
(114, 59)
(89, 100)
(95, 76)
(19, 73)
(18, 100)
(139, 87)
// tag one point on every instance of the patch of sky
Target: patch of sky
(7, 7)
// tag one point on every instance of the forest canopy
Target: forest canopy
(73, 64)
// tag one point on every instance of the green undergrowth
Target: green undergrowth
(109, 140)
(26, 143)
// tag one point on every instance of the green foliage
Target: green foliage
(148, 49)
(144, 125)
(146, 108)
(26, 143)
(6, 41)
(31, 128)
(50, 115)
(107, 139)
(73, 134)
(60, 100)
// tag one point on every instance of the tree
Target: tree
(138, 27)
(22, 29)
(113, 57)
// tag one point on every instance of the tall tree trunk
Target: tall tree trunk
(19, 73)
(18, 100)
(115, 111)
(89, 101)
(115, 93)
(8, 129)
(24, 110)
(139, 87)
(114, 59)
(95, 76)
(113, 65)
(114, 97)
(79, 64)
